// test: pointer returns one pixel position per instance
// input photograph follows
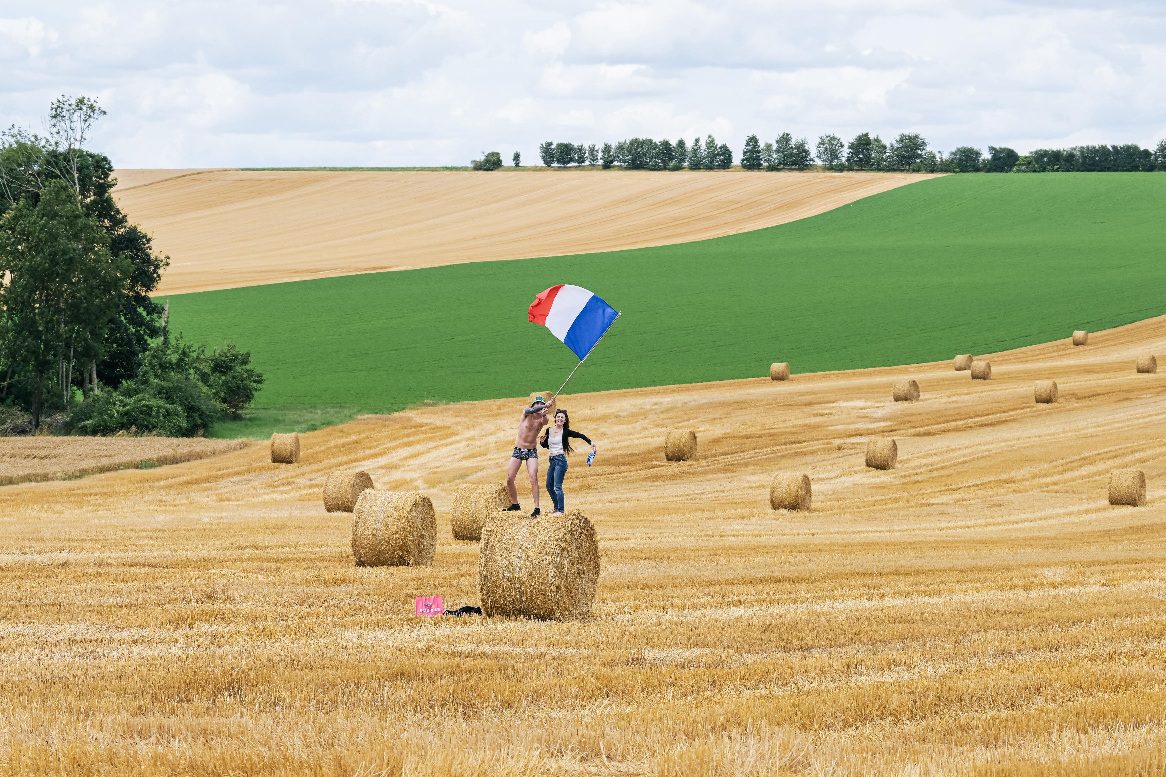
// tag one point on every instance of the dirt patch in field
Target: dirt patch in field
(228, 228)
(34, 459)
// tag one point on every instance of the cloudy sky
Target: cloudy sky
(433, 82)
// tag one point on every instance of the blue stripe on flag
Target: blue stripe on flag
(592, 321)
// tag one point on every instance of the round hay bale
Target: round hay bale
(1045, 392)
(472, 504)
(545, 568)
(285, 448)
(779, 371)
(1080, 337)
(962, 363)
(790, 492)
(981, 370)
(905, 391)
(882, 453)
(1127, 487)
(1148, 364)
(393, 529)
(680, 446)
(342, 489)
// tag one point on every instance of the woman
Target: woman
(557, 440)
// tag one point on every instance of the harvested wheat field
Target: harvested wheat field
(32, 459)
(979, 609)
(229, 228)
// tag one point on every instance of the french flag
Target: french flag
(574, 315)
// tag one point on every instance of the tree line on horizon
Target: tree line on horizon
(908, 152)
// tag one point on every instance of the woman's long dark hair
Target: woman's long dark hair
(566, 433)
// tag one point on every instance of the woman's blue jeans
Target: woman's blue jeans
(556, 470)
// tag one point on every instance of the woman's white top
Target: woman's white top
(555, 441)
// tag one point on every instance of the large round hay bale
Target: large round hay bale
(472, 504)
(1080, 337)
(882, 453)
(1045, 392)
(285, 448)
(962, 363)
(342, 489)
(1127, 487)
(1148, 364)
(905, 391)
(981, 370)
(394, 529)
(779, 371)
(790, 492)
(545, 568)
(680, 446)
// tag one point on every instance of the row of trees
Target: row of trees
(907, 152)
(76, 316)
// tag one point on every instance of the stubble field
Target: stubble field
(230, 228)
(980, 609)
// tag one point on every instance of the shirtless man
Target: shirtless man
(534, 418)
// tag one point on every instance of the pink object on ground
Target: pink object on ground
(429, 606)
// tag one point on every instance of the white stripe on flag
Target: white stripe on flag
(568, 302)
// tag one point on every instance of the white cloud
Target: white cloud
(364, 82)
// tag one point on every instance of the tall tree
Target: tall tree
(751, 154)
(783, 151)
(592, 155)
(724, 157)
(679, 155)
(966, 159)
(1000, 159)
(516, 159)
(607, 156)
(546, 152)
(859, 152)
(830, 151)
(580, 154)
(767, 158)
(1160, 156)
(61, 293)
(695, 155)
(800, 156)
(907, 151)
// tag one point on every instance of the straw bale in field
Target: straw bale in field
(962, 363)
(393, 528)
(680, 446)
(882, 453)
(905, 391)
(779, 371)
(1080, 337)
(1045, 392)
(790, 492)
(981, 370)
(1127, 487)
(472, 504)
(1147, 364)
(342, 489)
(545, 568)
(285, 448)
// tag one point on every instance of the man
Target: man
(534, 418)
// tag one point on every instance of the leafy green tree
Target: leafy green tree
(546, 152)
(564, 154)
(492, 160)
(966, 159)
(783, 151)
(592, 155)
(800, 156)
(679, 155)
(907, 151)
(767, 158)
(607, 156)
(695, 155)
(580, 155)
(829, 151)
(878, 154)
(60, 294)
(1000, 160)
(724, 157)
(232, 381)
(1160, 156)
(516, 159)
(859, 152)
(622, 153)
(751, 154)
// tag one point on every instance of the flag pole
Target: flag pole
(580, 364)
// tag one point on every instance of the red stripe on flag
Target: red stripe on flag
(541, 307)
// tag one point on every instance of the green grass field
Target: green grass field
(969, 263)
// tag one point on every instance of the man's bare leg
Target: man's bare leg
(511, 473)
(532, 468)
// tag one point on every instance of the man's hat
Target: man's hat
(538, 401)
